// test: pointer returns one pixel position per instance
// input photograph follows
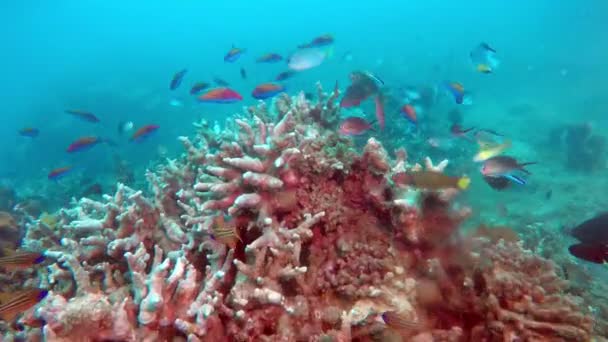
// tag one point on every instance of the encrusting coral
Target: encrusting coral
(323, 243)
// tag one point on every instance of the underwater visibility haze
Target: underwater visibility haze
(304, 170)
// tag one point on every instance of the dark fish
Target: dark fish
(593, 235)
(497, 183)
(177, 79)
(93, 189)
(198, 87)
(270, 58)
(29, 132)
(220, 82)
(83, 115)
(324, 40)
(15, 303)
(549, 194)
(597, 253)
(243, 74)
(284, 75)
(594, 230)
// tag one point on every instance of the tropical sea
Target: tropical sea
(115, 59)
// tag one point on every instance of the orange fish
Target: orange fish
(224, 233)
(430, 180)
(15, 303)
(20, 260)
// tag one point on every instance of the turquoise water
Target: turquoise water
(116, 59)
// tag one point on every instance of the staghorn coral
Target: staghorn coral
(326, 243)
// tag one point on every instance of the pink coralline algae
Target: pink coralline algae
(326, 244)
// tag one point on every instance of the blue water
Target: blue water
(116, 58)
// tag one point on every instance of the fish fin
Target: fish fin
(464, 182)
(9, 316)
(468, 130)
(329, 52)
(522, 165)
(516, 179)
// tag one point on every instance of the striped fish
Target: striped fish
(397, 321)
(20, 260)
(15, 303)
(224, 233)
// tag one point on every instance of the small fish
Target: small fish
(354, 126)
(307, 59)
(29, 132)
(549, 194)
(93, 189)
(593, 252)
(490, 151)
(484, 59)
(285, 75)
(177, 79)
(379, 102)
(59, 172)
(270, 58)
(267, 90)
(124, 126)
(430, 180)
(220, 95)
(398, 321)
(233, 54)
(321, 41)
(220, 82)
(20, 260)
(459, 132)
(225, 233)
(144, 132)
(14, 303)
(198, 87)
(83, 144)
(83, 115)
(457, 91)
(490, 131)
(243, 73)
(409, 112)
(505, 166)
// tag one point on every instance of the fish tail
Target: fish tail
(464, 182)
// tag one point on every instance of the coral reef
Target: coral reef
(322, 244)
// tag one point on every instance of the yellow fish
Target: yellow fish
(488, 151)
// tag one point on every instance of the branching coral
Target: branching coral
(323, 243)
